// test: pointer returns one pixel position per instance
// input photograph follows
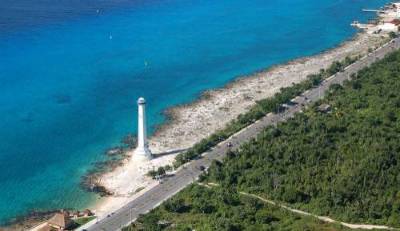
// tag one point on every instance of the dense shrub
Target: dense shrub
(261, 108)
(344, 163)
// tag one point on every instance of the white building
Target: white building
(388, 27)
(142, 150)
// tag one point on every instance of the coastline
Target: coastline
(189, 123)
(213, 107)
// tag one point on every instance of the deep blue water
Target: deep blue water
(71, 71)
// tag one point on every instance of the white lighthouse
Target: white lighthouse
(142, 149)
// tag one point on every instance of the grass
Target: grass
(83, 220)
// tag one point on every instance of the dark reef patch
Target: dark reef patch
(28, 118)
(62, 98)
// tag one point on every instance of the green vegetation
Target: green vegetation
(83, 220)
(200, 208)
(262, 108)
(160, 172)
(344, 164)
(139, 189)
(392, 35)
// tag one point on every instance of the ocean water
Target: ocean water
(71, 71)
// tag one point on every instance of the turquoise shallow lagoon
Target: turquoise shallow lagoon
(71, 71)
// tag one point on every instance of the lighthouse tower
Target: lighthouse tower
(142, 149)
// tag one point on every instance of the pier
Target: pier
(372, 10)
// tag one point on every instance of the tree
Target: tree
(176, 205)
(265, 217)
(168, 168)
(152, 174)
(161, 171)
(203, 206)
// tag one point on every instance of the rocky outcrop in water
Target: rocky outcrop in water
(115, 157)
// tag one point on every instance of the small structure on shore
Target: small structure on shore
(142, 149)
(387, 21)
(87, 213)
(391, 26)
(64, 220)
(60, 221)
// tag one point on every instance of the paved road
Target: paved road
(191, 171)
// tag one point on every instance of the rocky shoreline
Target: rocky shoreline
(215, 108)
(189, 123)
(119, 179)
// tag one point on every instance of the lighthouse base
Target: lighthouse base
(144, 153)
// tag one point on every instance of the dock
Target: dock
(372, 10)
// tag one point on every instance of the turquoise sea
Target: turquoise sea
(71, 71)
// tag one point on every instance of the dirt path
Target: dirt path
(303, 213)
(322, 218)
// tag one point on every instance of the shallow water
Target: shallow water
(71, 71)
